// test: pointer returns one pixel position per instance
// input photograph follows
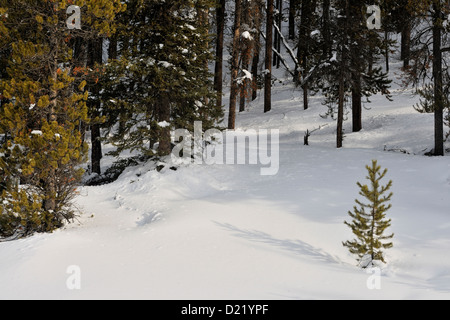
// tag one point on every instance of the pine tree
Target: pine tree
(161, 80)
(429, 46)
(369, 221)
(43, 149)
(349, 73)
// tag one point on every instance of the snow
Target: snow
(247, 35)
(164, 124)
(228, 232)
(36, 132)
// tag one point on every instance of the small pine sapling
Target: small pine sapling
(369, 220)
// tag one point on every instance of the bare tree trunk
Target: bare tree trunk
(96, 56)
(235, 66)
(303, 47)
(406, 43)
(292, 11)
(343, 65)
(218, 72)
(257, 47)
(438, 80)
(279, 23)
(275, 36)
(327, 43)
(247, 46)
(356, 19)
(340, 119)
(268, 71)
(112, 49)
(164, 113)
(357, 105)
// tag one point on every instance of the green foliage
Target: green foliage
(426, 103)
(42, 148)
(369, 219)
(162, 74)
(360, 50)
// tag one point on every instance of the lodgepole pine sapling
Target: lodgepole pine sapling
(369, 221)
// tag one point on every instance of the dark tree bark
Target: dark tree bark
(235, 66)
(356, 60)
(357, 105)
(112, 49)
(303, 46)
(386, 52)
(342, 75)
(279, 23)
(326, 21)
(164, 114)
(218, 73)
(438, 80)
(268, 71)
(292, 12)
(247, 46)
(277, 37)
(95, 56)
(406, 42)
(257, 48)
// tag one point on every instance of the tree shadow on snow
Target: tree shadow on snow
(295, 246)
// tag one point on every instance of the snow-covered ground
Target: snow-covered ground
(228, 232)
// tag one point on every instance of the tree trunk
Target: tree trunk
(292, 12)
(268, 71)
(340, 119)
(438, 80)
(303, 47)
(255, 64)
(343, 66)
(386, 53)
(96, 56)
(257, 14)
(247, 46)
(356, 60)
(275, 36)
(218, 72)
(112, 49)
(406, 43)
(279, 22)
(235, 66)
(164, 113)
(357, 105)
(327, 43)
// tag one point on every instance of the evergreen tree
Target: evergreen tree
(348, 74)
(430, 44)
(369, 221)
(42, 149)
(160, 80)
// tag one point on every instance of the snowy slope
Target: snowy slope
(227, 232)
